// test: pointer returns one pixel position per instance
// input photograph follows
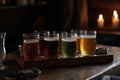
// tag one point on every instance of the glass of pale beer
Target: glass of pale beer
(88, 43)
(30, 48)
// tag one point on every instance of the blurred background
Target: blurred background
(22, 16)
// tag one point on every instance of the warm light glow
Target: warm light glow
(100, 17)
(100, 20)
(115, 19)
(115, 14)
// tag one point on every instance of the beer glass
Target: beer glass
(88, 43)
(68, 45)
(77, 35)
(41, 41)
(31, 50)
(51, 43)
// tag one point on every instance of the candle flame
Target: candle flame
(115, 14)
(100, 16)
(100, 20)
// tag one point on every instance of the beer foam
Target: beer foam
(88, 36)
(69, 40)
(51, 39)
(31, 41)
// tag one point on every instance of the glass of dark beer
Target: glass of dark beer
(41, 42)
(31, 50)
(51, 43)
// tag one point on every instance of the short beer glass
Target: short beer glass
(68, 45)
(31, 50)
(51, 43)
(88, 43)
(77, 35)
(41, 41)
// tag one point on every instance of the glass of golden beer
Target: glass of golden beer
(31, 50)
(88, 43)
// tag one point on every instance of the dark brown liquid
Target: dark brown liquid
(41, 44)
(51, 48)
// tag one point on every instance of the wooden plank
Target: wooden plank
(69, 62)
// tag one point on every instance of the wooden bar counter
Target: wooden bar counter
(79, 72)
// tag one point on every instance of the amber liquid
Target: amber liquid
(78, 45)
(88, 45)
(31, 50)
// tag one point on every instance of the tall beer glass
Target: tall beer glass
(31, 50)
(88, 43)
(68, 45)
(51, 43)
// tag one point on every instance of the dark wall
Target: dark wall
(108, 39)
(16, 20)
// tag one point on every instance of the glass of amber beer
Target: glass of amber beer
(31, 50)
(77, 35)
(51, 43)
(88, 43)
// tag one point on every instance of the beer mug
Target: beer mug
(77, 35)
(31, 50)
(68, 45)
(41, 41)
(51, 43)
(88, 43)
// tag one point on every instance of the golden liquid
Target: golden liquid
(88, 45)
(78, 45)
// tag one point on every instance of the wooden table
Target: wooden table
(79, 72)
